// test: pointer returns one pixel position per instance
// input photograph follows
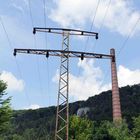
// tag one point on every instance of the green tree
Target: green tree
(80, 129)
(5, 110)
(110, 131)
(136, 129)
(120, 132)
(17, 137)
(100, 131)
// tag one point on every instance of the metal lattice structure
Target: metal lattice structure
(74, 54)
(62, 114)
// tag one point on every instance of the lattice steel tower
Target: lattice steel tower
(62, 115)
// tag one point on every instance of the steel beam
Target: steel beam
(62, 30)
(60, 53)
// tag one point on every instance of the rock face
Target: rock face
(83, 111)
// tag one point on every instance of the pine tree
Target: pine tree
(5, 110)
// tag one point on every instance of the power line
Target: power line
(123, 44)
(95, 15)
(30, 13)
(62, 115)
(44, 2)
(99, 31)
(127, 38)
(106, 12)
(122, 47)
(48, 67)
(92, 23)
(16, 62)
(48, 72)
(35, 45)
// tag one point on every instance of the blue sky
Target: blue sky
(33, 80)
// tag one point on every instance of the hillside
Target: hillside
(42, 120)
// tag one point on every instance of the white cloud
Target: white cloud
(89, 83)
(13, 83)
(33, 107)
(127, 76)
(121, 16)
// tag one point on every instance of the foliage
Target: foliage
(136, 129)
(80, 129)
(84, 129)
(40, 124)
(119, 132)
(5, 110)
(111, 131)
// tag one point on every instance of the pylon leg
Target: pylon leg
(62, 115)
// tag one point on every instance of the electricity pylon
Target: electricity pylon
(62, 115)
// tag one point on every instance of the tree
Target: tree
(120, 132)
(17, 137)
(5, 110)
(136, 129)
(80, 128)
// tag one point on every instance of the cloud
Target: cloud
(13, 83)
(127, 76)
(89, 83)
(121, 17)
(33, 107)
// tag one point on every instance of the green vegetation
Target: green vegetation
(95, 125)
(5, 110)
(136, 129)
(80, 129)
(84, 129)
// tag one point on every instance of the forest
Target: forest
(95, 124)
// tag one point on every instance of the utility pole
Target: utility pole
(62, 115)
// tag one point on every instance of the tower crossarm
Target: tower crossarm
(62, 30)
(60, 53)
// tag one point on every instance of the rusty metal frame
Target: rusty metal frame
(60, 53)
(62, 30)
